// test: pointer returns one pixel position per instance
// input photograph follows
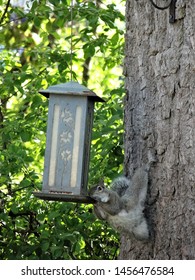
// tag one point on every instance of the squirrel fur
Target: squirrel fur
(122, 205)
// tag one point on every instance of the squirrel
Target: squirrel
(122, 205)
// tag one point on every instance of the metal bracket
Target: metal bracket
(172, 9)
(171, 6)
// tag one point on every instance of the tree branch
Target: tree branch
(86, 71)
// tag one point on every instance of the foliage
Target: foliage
(35, 52)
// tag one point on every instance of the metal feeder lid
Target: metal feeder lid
(71, 88)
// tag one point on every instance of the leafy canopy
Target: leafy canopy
(35, 52)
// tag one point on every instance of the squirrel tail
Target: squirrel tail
(120, 185)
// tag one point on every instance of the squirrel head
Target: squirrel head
(99, 193)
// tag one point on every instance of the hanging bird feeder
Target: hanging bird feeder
(69, 127)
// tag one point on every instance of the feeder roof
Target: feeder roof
(71, 88)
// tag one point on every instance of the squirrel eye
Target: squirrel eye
(99, 188)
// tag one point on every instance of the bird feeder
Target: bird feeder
(69, 127)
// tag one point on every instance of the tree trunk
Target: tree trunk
(160, 115)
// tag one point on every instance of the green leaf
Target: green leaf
(53, 215)
(29, 159)
(37, 22)
(89, 50)
(14, 208)
(45, 245)
(115, 39)
(25, 136)
(25, 183)
(36, 101)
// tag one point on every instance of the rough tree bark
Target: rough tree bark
(160, 115)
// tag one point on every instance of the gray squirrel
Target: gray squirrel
(122, 205)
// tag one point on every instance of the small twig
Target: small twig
(5, 11)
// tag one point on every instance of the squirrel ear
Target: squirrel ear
(101, 183)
